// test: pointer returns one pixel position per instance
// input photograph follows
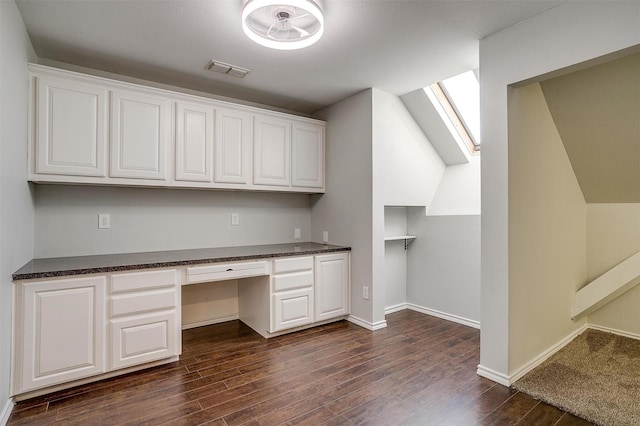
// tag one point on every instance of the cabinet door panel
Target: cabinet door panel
(140, 125)
(332, 286)
(70, 128)
(63, 331)
(232, 146)
(307, 152)
(272, 151)
(292, 309)
(194, 142)
(144, 338)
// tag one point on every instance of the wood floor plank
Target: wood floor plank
(514, 409)
(419, 370)
(541, 414)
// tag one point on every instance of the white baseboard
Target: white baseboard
(444, 315)
(615, 331)
(542, 357)
(395, 308)
(210, 321)
(366, 324)
(6, 412)
(493, 375)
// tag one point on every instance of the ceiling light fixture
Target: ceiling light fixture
(283, 24)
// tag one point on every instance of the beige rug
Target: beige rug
(596, 377)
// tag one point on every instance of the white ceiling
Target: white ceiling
(394, 45)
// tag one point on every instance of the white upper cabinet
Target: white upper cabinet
(272, 151)
(307, 152)
(233, 146)
(140, 135)
(194, 142)
(92, 130)
(70, 130)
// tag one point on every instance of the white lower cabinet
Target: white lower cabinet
(332, 286)
(58, 331)
(291, 293)
(74, 328)
(143, 338)
(144, 317)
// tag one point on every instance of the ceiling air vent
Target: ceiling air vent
(229, 69)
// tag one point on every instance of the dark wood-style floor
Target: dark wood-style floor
(420, 370)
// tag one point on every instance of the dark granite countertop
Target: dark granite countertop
(79, 265)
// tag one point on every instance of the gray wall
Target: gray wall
(151, 219)
(345, 210)
(443, 264)
(16, 205)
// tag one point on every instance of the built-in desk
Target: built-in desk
(79, 319)
(81, 265)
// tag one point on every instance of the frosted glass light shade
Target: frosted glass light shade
(283, 24)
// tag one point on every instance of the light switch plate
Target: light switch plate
(235, 219)
(325, 236)
(104, 221)
(296, 234)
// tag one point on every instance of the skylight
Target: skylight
(457, 100)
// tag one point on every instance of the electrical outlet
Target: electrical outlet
(325, 236)
(235, 219)
(365, 292)
(104, 221)
(296, 234)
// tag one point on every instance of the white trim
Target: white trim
(395, 308)
(209, 322)
(445, 316)
(542, 357)
(615, 331)
(493, 375)
(366, 324)
(6, 412)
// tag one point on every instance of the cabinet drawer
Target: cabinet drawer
(143, 280)
(225, 271)
(144, 338)
(292, 264)
(292, 280)
(132, 303)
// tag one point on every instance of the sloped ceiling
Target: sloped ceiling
(597, 114)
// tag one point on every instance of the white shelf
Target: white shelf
(408, 239)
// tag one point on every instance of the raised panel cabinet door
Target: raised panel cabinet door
(232, 146)
(332, 286)
(194, 142)
(292, 309)
(272, 151)
(307, 156)
(62, 331)
(70, 127)
(144, 338)
(140, 135)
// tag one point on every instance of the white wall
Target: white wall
(406, 172)
(561, 37)
(547, 231)
(16, 204)
(151, 219)
(613, 234)
(459, 190)
(345, 209)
